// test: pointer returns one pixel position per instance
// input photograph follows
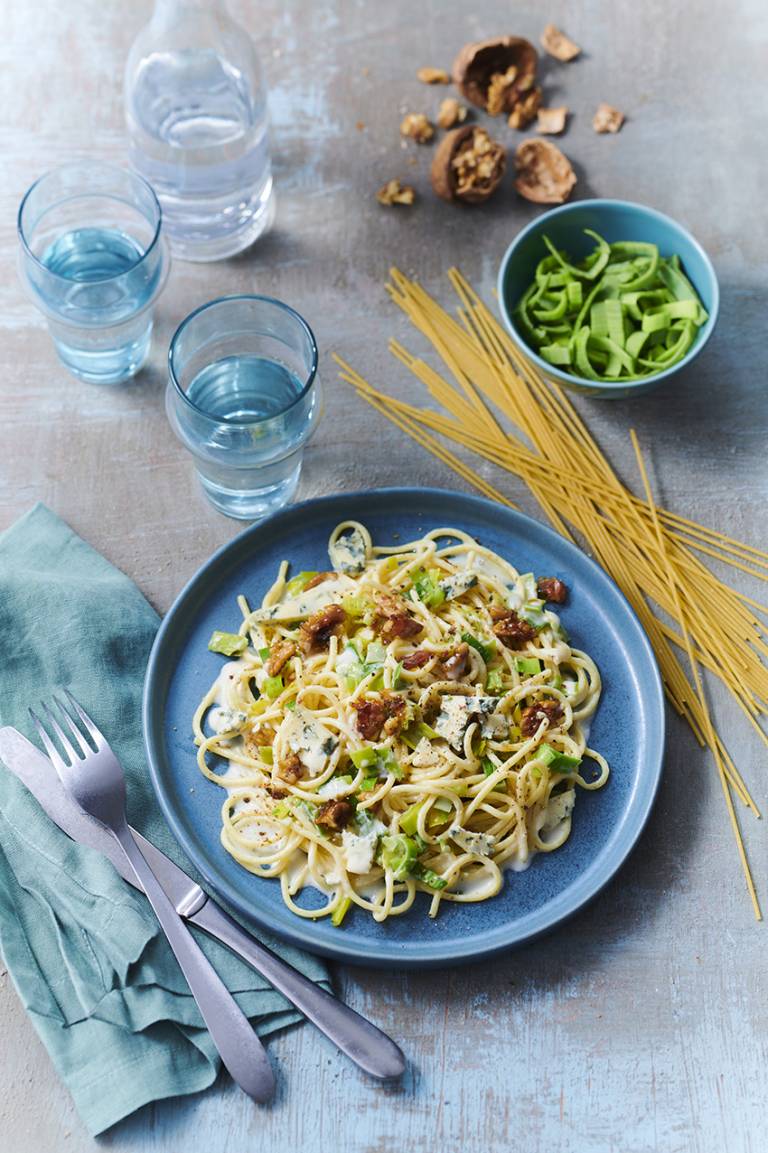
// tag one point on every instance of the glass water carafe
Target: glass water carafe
(197, 122)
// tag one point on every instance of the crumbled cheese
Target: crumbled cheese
(303, 606)
(456, 713)
(558, 809)
(479, 843)
(424, 755)
(336, 787)
(457, 585)
(452, 719)
(348, 553)
(223, 720)
(359, 848)
(309, 739)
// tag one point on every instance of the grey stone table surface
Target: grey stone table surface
(642, 1024)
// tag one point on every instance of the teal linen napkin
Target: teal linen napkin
(83, 948)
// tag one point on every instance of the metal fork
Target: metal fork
(94, 778)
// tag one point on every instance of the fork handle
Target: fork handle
(242, 1053)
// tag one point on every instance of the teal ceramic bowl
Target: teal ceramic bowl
(615, 220)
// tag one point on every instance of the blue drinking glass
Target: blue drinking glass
(244, 397)
(93, 260)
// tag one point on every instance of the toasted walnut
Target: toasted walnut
(552, 589)
(533, 715)
(317, 630)
(468, 165)
(433, 76)
(291, 769)
(544, 174)
(281, 653)
(451, 113)
(417, 127)
(525, 110)
(607, 119)
(557, 44)
(393, 192)
(495, 74)
(334, 815)
(551, 121)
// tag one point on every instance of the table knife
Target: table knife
(367, 1046)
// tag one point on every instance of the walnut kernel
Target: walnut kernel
(393, 192)
(433, 76)
(494, 74)
(468, 165)
(451, 113)
(417, 127)
(525, 110)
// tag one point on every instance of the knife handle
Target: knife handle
(367, 1046)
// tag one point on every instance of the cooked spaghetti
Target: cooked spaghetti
(413, 720)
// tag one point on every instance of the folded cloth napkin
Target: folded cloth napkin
(85, 952)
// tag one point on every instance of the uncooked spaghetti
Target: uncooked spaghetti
(649, 551)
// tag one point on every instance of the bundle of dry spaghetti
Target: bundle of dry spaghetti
(650, 552)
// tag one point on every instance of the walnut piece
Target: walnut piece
(451, 113)
(544, 174)
(468, 165)
(607, 119)
(525, 110)
(417, 127)
(557, 44)
(393, 192)
(433, 76)
(496, 74)
(551, 121)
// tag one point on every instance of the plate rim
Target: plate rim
(587, 887)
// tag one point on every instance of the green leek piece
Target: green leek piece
(228, 644)
(638, 314)
(427, 586)
(355, 606)
(399, 853)
(340, 912)
(297, 584)
(494, 682)
(409, 819)
(281, 811)
(376, 761)
(556, 761)
(485, 648)
(534, 616)
(273, 686)
(427, 876)
(557, 354)
(528, 666)
(265, 752)
(364, 758)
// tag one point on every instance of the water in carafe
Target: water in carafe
(197, 122)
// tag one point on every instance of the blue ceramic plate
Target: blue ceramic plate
(628, 727)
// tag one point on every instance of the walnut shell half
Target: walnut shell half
(495, 74)
(468, 165)
(544, 174)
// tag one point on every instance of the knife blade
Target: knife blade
(363, 1042)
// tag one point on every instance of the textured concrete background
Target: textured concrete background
(642, 1025)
